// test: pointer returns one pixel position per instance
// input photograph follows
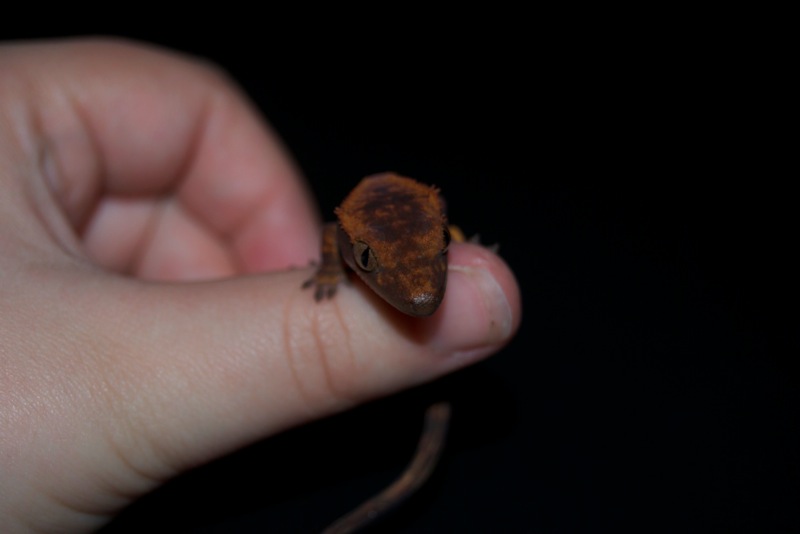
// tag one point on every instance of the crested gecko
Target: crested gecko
(392, 231)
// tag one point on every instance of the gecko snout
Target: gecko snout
(423, 304)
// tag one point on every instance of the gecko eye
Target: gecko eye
(365, 258)
(446, 239)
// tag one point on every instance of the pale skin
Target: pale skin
(127, 172)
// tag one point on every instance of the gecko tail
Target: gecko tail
(431, 443)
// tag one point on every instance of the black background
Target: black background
(635, 186)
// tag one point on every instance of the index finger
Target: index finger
(117, 119)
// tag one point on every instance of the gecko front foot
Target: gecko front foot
(330, 272)
(324, 284)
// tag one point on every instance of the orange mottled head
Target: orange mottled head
(393, 232)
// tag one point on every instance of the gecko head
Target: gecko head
(393, 233)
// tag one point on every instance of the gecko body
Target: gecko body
(392, 231)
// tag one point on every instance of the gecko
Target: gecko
(392, 231)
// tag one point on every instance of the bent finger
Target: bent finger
(110, 118)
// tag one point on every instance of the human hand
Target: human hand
(137, 187)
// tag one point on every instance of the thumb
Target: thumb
(144, 380)
(245, 358)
